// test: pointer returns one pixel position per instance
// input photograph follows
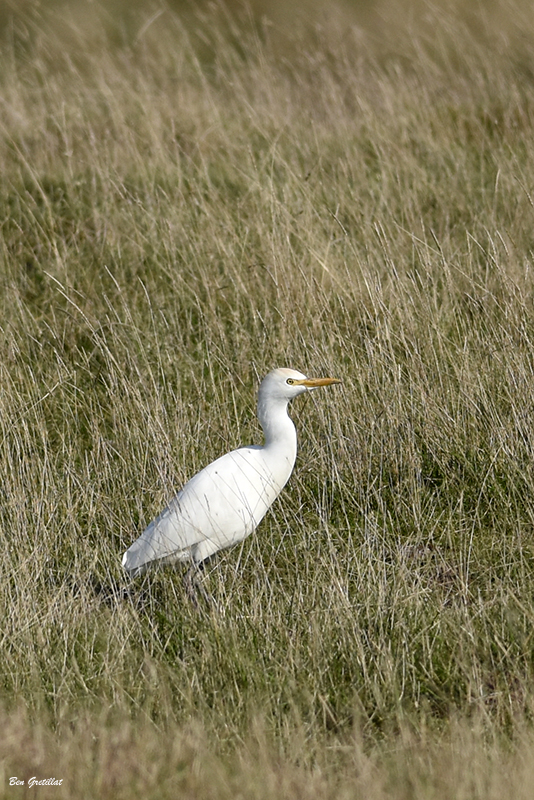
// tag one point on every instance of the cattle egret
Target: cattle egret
(227, 500)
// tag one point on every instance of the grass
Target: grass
(187, 202)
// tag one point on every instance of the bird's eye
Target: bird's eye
(290, 381)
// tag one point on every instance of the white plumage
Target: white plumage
(226, 501)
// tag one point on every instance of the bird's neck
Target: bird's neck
(277, 426)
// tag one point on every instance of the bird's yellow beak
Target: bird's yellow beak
(314, 383)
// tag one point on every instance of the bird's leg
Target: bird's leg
(194, 588)
(191, 584)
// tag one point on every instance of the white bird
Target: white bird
(223, 503)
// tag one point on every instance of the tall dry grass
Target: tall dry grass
(184, 207)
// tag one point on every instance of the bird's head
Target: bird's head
(285, 384)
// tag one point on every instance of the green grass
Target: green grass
(185, 205)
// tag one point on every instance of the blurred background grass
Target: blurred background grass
(389, 25)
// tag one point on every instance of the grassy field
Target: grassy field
(188, 201)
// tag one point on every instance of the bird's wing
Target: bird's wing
(220, 505)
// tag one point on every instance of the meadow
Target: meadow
(187, 201)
